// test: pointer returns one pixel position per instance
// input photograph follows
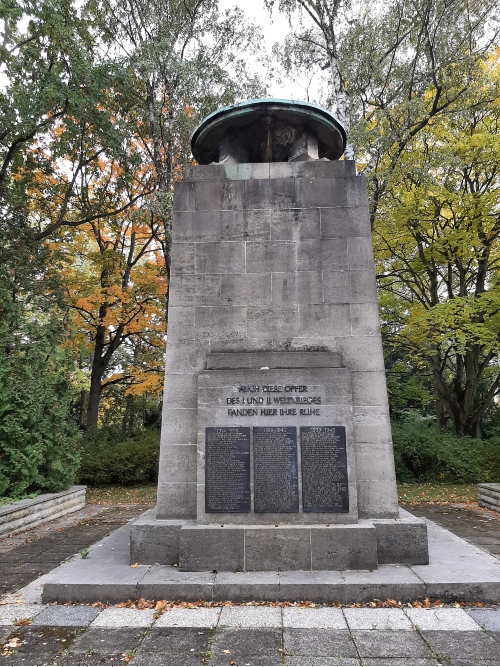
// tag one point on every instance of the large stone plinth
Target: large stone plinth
(239, 548)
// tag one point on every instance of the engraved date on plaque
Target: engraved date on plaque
(275, 469)
(324, 469)
(227, 469)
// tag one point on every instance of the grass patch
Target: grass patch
(413, 492)
(115, 495)
(428, 492)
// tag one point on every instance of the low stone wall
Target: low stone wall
(30, 512)
(488, 495)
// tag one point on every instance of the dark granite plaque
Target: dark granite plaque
(227, 469)
(275, 469)
(324, 469)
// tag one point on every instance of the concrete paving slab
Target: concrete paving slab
(4, 632)
(489, 619)
(387, 643)
(202, 617)
(93, 659)
(162, 659)
(106, 641)
(78, 616)
(113, 548)
(173, 644)
(258, 660)
(400, 661)
(320, 660)
(14, 612)
(41, 643)
(244, 644)
(441, 619)
(162, 582)
(113, 617)
(331, 618)
(377, 619)
(30, 594)
(319, 642)
(464, 648)
(250, 617)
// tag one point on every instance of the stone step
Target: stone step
(457, 570)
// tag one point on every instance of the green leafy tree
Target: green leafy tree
(438, 250)
(181, 60)
(390, 68)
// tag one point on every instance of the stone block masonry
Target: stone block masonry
(273, 260)
(31, 512)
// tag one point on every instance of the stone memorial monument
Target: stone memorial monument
(276, 449)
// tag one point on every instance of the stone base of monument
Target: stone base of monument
(232, 548)
(457, 570)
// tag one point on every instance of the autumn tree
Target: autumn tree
(116, 287)
(391, 68)
(438, 248)
(183, 60)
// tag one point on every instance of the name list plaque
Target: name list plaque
(324, 469)
(227, 469)
(275, 469)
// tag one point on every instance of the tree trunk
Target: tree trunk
(441, 415)
(83, 405)
(94, 395)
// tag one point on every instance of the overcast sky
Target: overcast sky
(274, 29)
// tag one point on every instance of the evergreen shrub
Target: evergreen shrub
(424, 454)
(39, 450)
(108, 458)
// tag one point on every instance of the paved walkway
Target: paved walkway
(249, 635)
(25, 556)
(34, 634)
(469, 521)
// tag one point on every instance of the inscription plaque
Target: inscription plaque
(227, 469)
(324, 469)
(275, 469)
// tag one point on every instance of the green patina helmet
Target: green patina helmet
(269, 130)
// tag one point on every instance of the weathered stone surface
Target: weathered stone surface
(275, 257)
(297, 287)
(269, 256)
(272, 193)
(402, 541)
(206, 548)
(153, 541)
(176, 500)
(30, 512)
(283, 548)
(250, 289)
(344, 548)
(295, 224)
(488, 495)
